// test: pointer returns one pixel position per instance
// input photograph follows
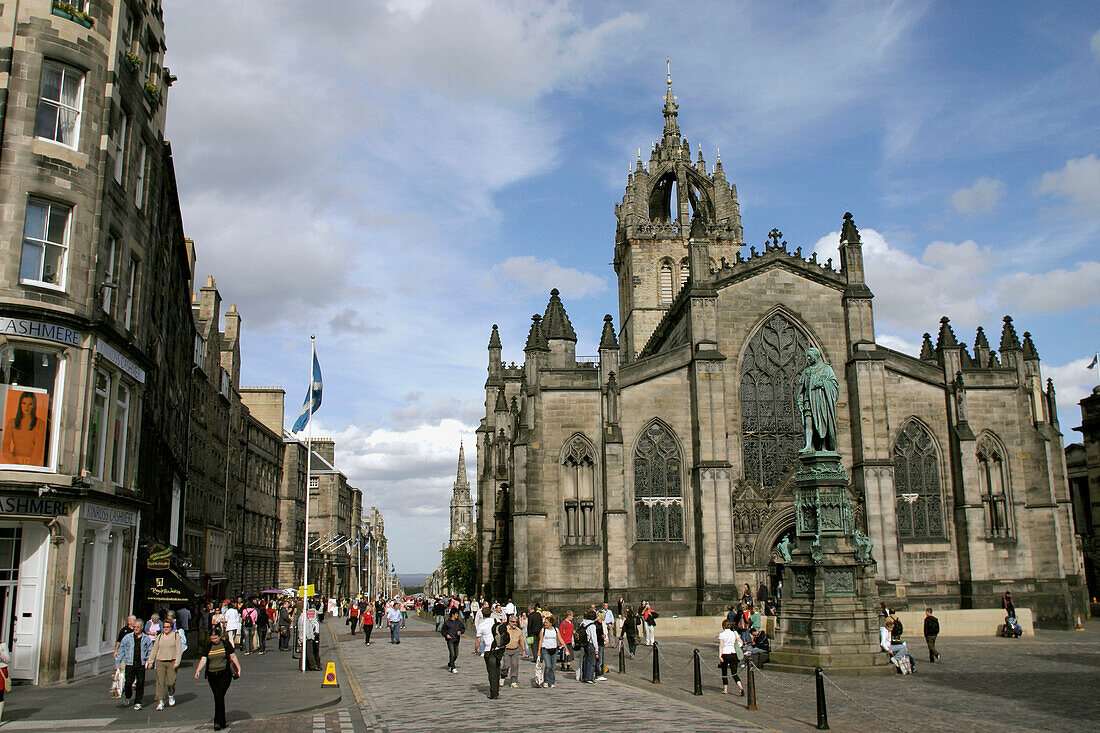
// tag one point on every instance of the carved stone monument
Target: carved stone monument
(829, 615)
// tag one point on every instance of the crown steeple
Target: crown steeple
(672, 127)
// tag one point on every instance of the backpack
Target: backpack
(500, 636)
(249, 617)
(580, 637)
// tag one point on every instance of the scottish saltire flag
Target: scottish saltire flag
(1092, 364)
(315, 391)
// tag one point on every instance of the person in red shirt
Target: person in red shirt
(565, 631)
(368, 621)
(353, 615)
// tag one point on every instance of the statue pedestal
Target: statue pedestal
(829, 614)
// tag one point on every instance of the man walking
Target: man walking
(132, 655)
(512, 651)
(493, 636)
(232, 624)
(931, 631)
(453, 629)
(393, 618)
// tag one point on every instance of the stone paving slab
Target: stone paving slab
(407, 687)
(1047, 682)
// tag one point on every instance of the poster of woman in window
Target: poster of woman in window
(26, 415)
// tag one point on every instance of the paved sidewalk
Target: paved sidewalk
(1047, 682)
(270, 685)
(407, 687)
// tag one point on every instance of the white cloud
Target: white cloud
(1072, 383)
(1079, 182)
(1057, 290)
(984, 196)
(534, 276)
(912, 294)
(898, 343)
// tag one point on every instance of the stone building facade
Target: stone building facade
(266, 405)
(333, 526)
(84, 183)
(1083, 464)
(663, 468)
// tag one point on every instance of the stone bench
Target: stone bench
(965, 622)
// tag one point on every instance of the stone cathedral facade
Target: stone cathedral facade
(663, 468)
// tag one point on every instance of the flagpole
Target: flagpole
(309, 470)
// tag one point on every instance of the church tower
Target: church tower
(462, 506)
(669, 202)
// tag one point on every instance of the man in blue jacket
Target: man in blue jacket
(133, 653)
(453, 629)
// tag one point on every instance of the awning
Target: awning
(170, 588)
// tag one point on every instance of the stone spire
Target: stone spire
(555, 323)
(1029, 348)
(608, 339)
(462, 506)
(1009, 339)
(980, 341)
(849, 234)
(946, 338)
(502, 402)
(672, 128)
(536, 339)
(927, 353)
(461, 480)
(494, 338)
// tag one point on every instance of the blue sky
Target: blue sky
(398, 176)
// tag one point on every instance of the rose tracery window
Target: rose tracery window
(658, 495)
(919, 499)
(771, 427)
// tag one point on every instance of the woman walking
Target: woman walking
(730, 654)
(630, 631)
(222, 667)
(565, 636)
(165, 658)
(368, 622)
(548, 643)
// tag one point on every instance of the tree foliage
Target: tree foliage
(460, 567)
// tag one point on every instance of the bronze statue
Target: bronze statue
(864, 547)
(784, 547)
(818, 390)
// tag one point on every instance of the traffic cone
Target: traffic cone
(1078, 626)
(330, 676)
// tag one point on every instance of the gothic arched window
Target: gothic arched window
(993, 486)
(771, 428)
(578, 472)
(919, 499)
(685, 273)
(658, 495)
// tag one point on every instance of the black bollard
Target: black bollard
(698, 673)
(750, 685)
(822, 713)
(656, 666)
(622, 658)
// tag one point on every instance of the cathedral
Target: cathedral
(662, 469)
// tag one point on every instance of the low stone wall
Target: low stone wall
(966, 622)
(958, 622)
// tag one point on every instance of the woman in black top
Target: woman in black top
(630, 631)
(221, 665)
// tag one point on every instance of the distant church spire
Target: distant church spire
(462, 506)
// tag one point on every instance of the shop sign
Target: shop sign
(38, 329)
(113, 355)
(168, 588)
(159, 557)
(110, 515)
(34, 506)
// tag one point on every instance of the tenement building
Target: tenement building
(266, 405)
(333, 525)
(663, 468)
(1083, 463)
(82, 193)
